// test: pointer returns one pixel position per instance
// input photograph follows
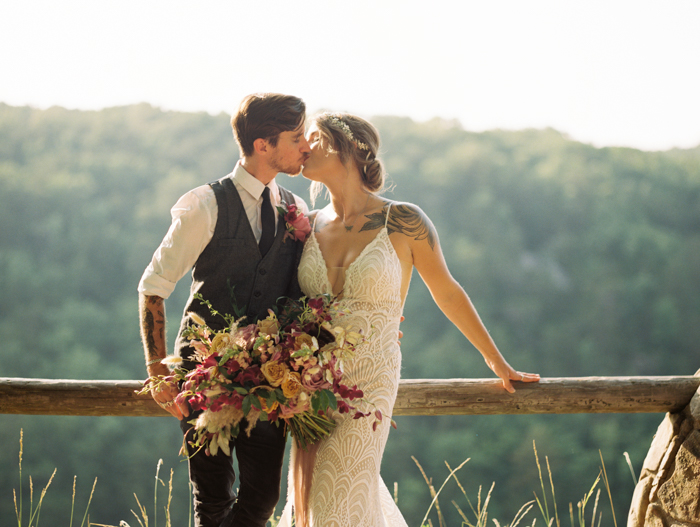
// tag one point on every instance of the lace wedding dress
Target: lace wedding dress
(346, 488)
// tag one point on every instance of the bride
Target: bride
(363, 249)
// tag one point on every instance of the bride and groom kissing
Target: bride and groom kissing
(361, 248)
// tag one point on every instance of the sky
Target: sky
(608, 73)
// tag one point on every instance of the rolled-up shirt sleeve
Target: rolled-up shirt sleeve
(193, 222)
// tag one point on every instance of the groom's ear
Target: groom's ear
(261, 146)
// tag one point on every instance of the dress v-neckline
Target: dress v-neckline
(347, 269)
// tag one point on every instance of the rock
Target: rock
(679, 495)
(668, 491)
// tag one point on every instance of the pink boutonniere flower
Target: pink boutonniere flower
(298, 226)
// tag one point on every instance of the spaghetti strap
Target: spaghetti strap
(386, 221)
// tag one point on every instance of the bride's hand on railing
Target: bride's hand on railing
(507, 374)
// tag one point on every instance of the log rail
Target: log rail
(566, 395)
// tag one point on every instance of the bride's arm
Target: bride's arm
(450, 297)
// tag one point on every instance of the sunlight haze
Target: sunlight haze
(607, 73)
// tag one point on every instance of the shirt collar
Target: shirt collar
(254, 186)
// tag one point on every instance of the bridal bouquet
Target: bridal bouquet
(285, 368)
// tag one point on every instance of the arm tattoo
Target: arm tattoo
(148, 327)
(404, 219)
(152, 324)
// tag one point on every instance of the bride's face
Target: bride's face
(321, 165)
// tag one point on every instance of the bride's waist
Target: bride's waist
(389, 307)
(372, 325)
(375, 317)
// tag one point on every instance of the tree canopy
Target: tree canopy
(580, 260)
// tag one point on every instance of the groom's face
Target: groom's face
(291, 152)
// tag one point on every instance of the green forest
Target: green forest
(581, 261)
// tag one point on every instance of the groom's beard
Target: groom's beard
(288, 167)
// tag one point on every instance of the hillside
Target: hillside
(581, 261)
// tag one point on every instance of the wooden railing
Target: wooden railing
(568, 395)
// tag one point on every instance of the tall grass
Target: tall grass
(546, 504)
(32, 517)
(478, 517)
(142, 516)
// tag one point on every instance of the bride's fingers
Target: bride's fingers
(525, 377)
(508, 386)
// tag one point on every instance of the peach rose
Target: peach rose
(274, 372)
(291, 385)
(269, 326)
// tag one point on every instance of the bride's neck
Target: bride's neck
(348, 197)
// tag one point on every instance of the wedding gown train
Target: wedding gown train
(346, 487)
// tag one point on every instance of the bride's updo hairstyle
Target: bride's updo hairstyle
(353, 139)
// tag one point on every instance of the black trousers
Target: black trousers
(259, 458)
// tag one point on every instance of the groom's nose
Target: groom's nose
(304, 146)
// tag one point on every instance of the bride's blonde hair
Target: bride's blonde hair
(353, 139)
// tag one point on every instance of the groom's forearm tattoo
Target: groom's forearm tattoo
(152, 325)
(404, 219)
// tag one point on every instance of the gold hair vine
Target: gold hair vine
(337, 121)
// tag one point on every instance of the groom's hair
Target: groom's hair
(265, 116)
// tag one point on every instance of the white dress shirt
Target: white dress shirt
(193, 223)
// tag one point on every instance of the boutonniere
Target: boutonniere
(298, 226)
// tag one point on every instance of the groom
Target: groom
(229, 233)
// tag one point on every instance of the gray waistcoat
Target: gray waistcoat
(231, 269)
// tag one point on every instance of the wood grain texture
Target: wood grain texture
(566, 395)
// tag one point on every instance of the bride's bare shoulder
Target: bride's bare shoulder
(404, 218)
(410, 220)
(319, 218)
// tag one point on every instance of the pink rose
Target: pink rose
(312, 379)
(298, 226)
(286, 412)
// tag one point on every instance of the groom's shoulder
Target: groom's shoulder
(301, 204)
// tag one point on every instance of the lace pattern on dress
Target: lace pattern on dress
(346, 487)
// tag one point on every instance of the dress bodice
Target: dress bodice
(372, 280)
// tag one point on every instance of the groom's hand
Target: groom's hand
(166, 395)
(166, 399)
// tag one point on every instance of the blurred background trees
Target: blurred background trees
(581, 261)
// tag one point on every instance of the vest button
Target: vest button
(263, 272)
(257, 294)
